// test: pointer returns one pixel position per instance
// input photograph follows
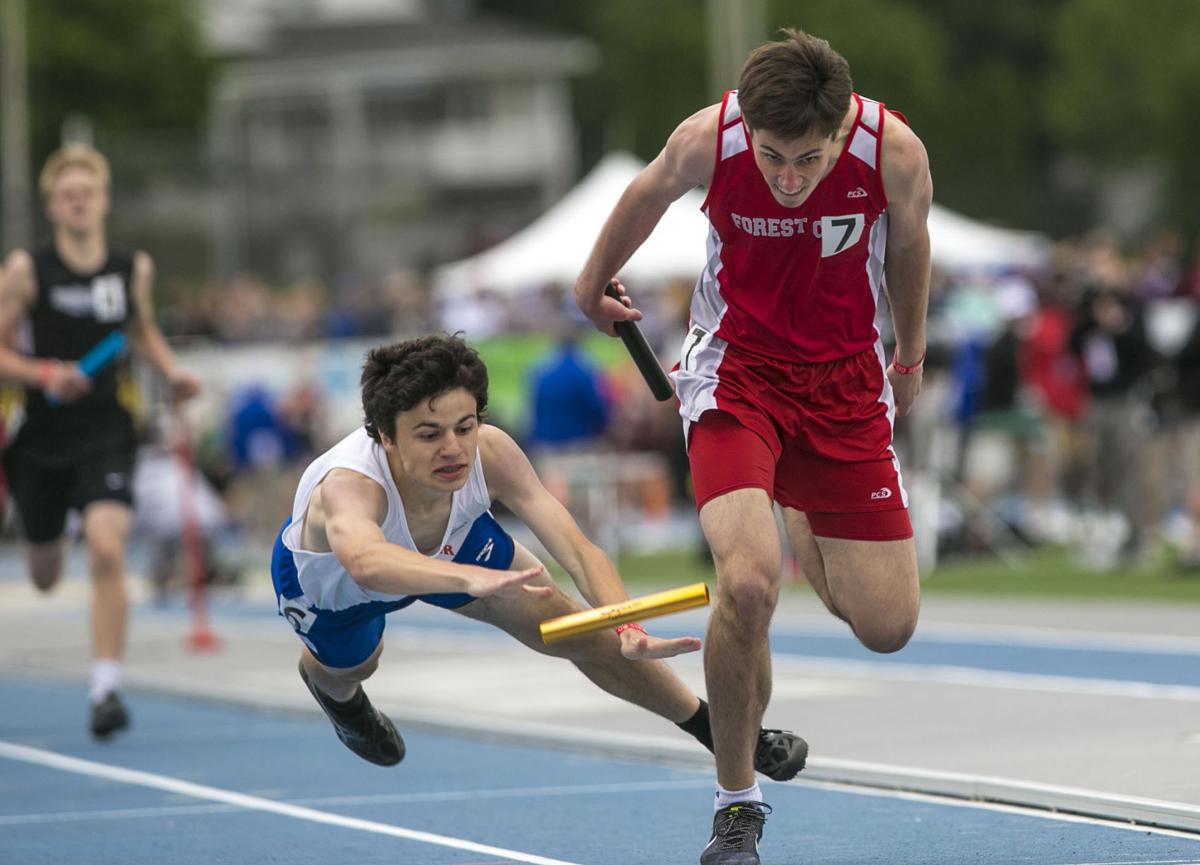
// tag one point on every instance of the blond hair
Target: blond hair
(74, 156)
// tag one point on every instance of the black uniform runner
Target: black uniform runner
(71, 454)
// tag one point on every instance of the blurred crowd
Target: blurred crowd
(1060, 405)
(1073, 400)
(247, 309)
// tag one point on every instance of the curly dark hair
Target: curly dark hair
(795, 86)
(397, 377)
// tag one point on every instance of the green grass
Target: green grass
(1056, 573)
(1048, 573)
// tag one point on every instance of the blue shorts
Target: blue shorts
(346, 638)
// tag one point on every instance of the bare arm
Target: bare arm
(146, 337)
(513, 480)
(909, 189)
(353, 507)
(18, 291)
(684, 163)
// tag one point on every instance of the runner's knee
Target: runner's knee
(886, 637)
(106, 557)
(45, 566)
(751, 591)
(45, 576)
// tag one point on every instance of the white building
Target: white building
(361, 135)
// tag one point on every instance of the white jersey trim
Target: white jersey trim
(733, 111)
(864, 145)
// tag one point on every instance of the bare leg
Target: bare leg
(740, 528)
(872, 585)
(647, 683)
(339, 683)
(105, 530)
(45, 563)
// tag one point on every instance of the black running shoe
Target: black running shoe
(362, 728)
(109, 716)
(736, 833)
(780, 754)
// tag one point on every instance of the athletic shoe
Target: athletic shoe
(736, 833)
(780, 754)
(109, 716)
(362, 728)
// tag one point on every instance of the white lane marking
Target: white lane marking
(1006, 635)
(1141, 862)
(1021, 810)
(112, 814)
(510, 793)
(946, 674)
(1023, 636)
(377, 799)
(52, 760)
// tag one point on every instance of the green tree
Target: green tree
(964, 75)
(652, 70)
(127, 66)
(1001, 93)
(1125, 91)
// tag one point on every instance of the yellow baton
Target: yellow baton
(658, 604)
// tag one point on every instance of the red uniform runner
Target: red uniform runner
(781, 377)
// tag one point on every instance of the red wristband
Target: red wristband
(630, 626)
(45, 373)
(908, 370)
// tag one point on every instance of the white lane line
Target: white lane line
(511, 793)
(1014, 636)
(946, 674)
(1002, 808)
(52, 760)
(112, 814)
(1141, 862)
(1025, 636)
(378, 799)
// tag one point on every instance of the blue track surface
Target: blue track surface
(1074, 656)
(535, 802)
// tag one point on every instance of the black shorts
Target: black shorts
(44, 491)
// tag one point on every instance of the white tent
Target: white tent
(961, 244)
(554, 247)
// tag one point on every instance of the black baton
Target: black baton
(639, 350)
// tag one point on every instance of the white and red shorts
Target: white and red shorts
(816, 436)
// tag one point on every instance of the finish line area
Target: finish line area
(203, 781)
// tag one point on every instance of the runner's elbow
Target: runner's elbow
(362, 566)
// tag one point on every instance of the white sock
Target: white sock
(106, 678)
(725, 798)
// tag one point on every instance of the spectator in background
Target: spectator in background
(1110, 339)
(1158, 268)
(260, 446)
(408, 296)
(568, 398)
(479, 315)
(301, 415)
(1059, 391)
(1187, 363)
(257, 439)
(1189, 283)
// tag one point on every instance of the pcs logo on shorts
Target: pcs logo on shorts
(300, 617)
